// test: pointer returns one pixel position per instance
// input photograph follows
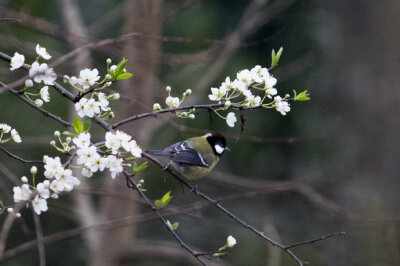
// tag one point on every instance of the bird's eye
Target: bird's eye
(219, 149)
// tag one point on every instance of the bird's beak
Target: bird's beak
(227, 149)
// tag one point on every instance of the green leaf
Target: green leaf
(161, 203)
(174, 226)
(303, 96)
(86, 126)
(275, 57)
(137, 169)
(119, 70)
(78, 125)
(67, 133)
(125, 75)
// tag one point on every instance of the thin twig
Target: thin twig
(19, 158)
(39, 237)
(132, 185)
(315, 240)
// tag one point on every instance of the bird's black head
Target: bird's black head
(217, 142)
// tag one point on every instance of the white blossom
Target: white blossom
(85, 153)
(43, 73)
(17, 61)
(43, 189)
(113, 68)
(231, 241)
(91, 108)
(135, 149)
(103, 102)
(15, 136)
(227, 85)
(22, 193)
(254, 101)
(231, 119)
(39, 205)
(115, 165)
(80, 107)
(5, 128)
(172, 102)
(96, 163)
(281, 106)
(123, 139)
(24, 179)
(44, 94)
(245, 77)
(52, 166)
(217, 94)
(83, 140)
(88, 77)
(86, 172)
(42, 52)
(113, 142)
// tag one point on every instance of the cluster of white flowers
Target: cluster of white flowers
(91, 107)
(87, 78)
(38, 72)
(6, 129)
(58, 180)
(91, 160)
(240, 91)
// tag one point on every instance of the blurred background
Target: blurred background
(328, 166)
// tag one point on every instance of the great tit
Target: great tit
(195, 157)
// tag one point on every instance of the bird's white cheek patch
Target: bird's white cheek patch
(219, 149)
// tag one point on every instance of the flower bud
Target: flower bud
(28, 83)
(116, 96)
(108, 76)
(191, 116)
(113, 68)
(33, 170)
(24, 179)
(68, 139)
(168, 89)
(156, 107)
(53, 143)
(108, 61)
(108, 84)
(38, 102)
(18, 215)
(57, 133)
(231, 241)
(188, 91)
(227, 103)
(10, 210)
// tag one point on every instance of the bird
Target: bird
(194, 158)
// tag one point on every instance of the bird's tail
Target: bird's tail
(160, 153)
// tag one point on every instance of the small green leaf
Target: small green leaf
(67, 133)
(275, 57)
(120, 69)
(86, 126)
(137, 169)
(125, 75)
(174, 226)
(303, 96)
(161, 203)
(78, 125)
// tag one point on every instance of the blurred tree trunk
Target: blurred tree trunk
(142, 54)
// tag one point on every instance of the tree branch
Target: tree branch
(39, 237)
(19, 158)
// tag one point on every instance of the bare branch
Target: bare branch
(19, 158)
(131, 184)
(39, 237)
(315, 240)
